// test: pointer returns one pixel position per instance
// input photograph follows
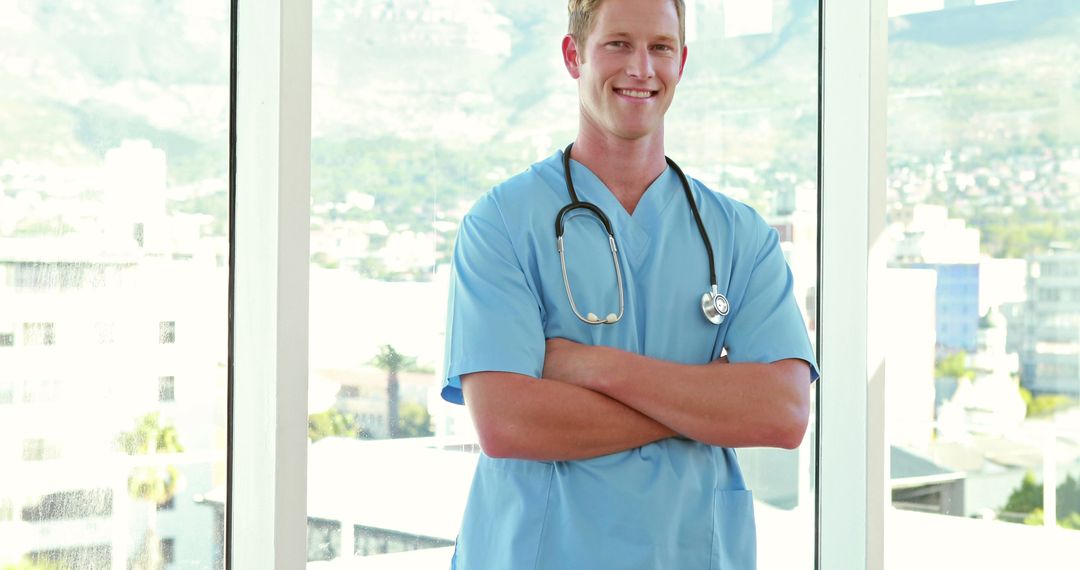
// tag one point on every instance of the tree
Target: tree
(1028, 500)
(415, 421)
(1044, 405)
(954, 366)
(334, 423)
(393, 362)
(1071, 522)
(152, 484)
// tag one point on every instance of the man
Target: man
(608, 439)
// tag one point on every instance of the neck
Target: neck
(626, 167)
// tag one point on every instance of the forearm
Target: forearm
(729, 405)
(526, 418)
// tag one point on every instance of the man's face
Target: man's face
(628, 68)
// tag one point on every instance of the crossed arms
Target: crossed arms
(595, 400)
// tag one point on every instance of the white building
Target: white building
(98, 328)
(909, 356)
(931, 236)
(989, 404)
(1001, 281)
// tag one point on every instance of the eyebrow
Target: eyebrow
(659, 38)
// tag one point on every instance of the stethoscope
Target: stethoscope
(714, 304)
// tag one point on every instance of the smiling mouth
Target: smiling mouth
(636, 93)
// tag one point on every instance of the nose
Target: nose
(640, 65)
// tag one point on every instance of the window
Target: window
(41, 391)
(39, 334)
(984, 133)
(40, 450)
(324, 539)
(58, 275)
(139, 233)
(68, 505)
(7, 391)
(168, 550)
(167, 389)
(90, 557)
(113, 118)
(104, 333)
(1051, 295)
(393, 172)
(376, 541)
(983, 124)
(167, 332)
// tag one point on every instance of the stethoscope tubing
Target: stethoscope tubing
(719, 303)
(697, 218)
(592, 320)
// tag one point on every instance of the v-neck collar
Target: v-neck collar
(590, 188)
(634, 229)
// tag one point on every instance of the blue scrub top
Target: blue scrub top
(670, 504)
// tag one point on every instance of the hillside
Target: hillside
(427, 101)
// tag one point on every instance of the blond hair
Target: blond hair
(583, 18)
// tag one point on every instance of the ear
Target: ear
(570, 56)
(682, 64)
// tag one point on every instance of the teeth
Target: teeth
(635, 93)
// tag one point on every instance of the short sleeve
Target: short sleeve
(494, 318)
(767, 326)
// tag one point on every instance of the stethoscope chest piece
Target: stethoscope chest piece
(715, 306)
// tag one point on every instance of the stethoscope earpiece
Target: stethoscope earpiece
(610, 319)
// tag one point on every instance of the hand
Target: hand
(578, 364)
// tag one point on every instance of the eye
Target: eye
(618, 43)
(663, 47)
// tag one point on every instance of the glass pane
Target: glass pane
(745, 123)
(460, 96)
(113, 283)
(984, 218)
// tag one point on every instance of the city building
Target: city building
(1050, 357)
(909, 356)
(926, 234)
(957, 306)
(101, 325)
(929, 239)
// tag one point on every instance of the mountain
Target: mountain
(437, 98)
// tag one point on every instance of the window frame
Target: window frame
(269, 229)
(852, 463)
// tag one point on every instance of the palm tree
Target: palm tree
(152, 484)
(392, 361)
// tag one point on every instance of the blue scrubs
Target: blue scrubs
(674, 503)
